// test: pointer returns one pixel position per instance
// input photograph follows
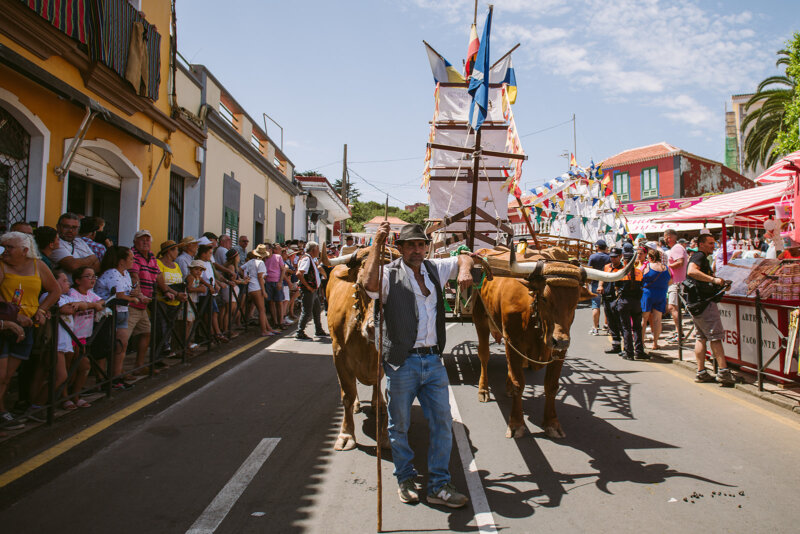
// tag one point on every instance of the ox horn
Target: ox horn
(338, 261)
(602, 276)
(523, 269)
(323, 255)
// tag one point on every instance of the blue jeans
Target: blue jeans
(422, 376)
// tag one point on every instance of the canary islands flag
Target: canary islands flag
(503, 72)
(443, 71)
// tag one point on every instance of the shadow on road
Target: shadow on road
(585, 388)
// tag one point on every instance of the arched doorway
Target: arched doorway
(103, 182)
(15, 146)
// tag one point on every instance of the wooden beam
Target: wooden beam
(464, 150)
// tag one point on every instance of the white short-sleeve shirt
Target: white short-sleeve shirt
(446, 268)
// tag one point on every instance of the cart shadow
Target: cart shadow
(592, 387)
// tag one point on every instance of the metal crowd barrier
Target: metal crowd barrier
(168, 329)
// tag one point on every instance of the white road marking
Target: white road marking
(215, 513)
(483, 514)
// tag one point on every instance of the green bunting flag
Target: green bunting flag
(584, 220)
(570, 217)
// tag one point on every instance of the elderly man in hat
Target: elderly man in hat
(412, 349)
(144, 273)
(310, 282)
(188, 249)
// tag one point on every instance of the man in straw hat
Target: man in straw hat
(412, 349)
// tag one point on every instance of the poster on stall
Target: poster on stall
(739, 323)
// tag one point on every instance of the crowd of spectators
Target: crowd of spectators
(74, 274)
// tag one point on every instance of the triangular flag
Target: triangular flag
(584, 220)
(570, 217)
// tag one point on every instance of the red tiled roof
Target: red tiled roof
(378, 219)
(644, 153)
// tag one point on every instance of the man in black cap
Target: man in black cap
(412, 349)
(608, 292)
(629, 308)
(598, 261)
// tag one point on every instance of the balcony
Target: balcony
(116, 50)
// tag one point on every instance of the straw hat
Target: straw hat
(186, 241)
(197, 264)
(165, 246)
(261, 250)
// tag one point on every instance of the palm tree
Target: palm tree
(773, 94)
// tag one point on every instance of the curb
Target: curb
(749, 388)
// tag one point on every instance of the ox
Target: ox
(531, 306)
(350, 323)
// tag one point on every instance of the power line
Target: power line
(402, 202)
(386, 160)
(548, 128)
(326, 165)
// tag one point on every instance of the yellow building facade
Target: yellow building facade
(76, 134)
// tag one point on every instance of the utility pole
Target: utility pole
(344, 191)
(574, 140)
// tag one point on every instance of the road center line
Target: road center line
(480, 505)
(215, 513)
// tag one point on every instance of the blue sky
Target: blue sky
(635, 72)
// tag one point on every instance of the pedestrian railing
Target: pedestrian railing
(169, 336)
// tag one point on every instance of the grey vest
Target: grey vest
(400, 326)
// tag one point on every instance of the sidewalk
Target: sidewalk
(786, 395)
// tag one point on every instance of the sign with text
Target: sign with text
(739, 323)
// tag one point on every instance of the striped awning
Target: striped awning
(748, 205)
(783, 170)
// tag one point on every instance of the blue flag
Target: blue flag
(479, 79)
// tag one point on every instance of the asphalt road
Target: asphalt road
(252, 451)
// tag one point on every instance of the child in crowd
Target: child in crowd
(115, 282)
(86, 303)
(195, 287)
(204, 253)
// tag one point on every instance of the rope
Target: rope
(515, 349)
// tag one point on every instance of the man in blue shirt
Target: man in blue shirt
(598, 261)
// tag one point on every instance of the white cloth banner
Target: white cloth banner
(490, 140)
(491, 198)
(454, 104)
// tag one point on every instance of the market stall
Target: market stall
(757, 312)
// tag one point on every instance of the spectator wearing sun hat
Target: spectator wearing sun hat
(144, 273)
(188, 248)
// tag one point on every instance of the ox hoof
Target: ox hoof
(555, 432)
(515, 433)
(483, 396)
(345, 442)
(357, 407)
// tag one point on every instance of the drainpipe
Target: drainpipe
(62, 170)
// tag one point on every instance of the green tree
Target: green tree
(352, 192)
(773, 132)
(789, 137)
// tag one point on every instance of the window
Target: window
(227, 114)
(622, 183)
(280, 225)
(15, 144)
(175, 219)
(231, 224)
(256, 142)
(650, 182)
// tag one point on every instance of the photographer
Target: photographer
(702, 287)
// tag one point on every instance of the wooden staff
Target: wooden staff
(528, 222)
(378, 395)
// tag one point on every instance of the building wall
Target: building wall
(278, 198)
(700, 178)
(134, 160)
(666, 177)
(222, 160)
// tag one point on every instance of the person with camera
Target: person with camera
(702, 289)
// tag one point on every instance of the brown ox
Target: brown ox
(531, 306)
(352, 331)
